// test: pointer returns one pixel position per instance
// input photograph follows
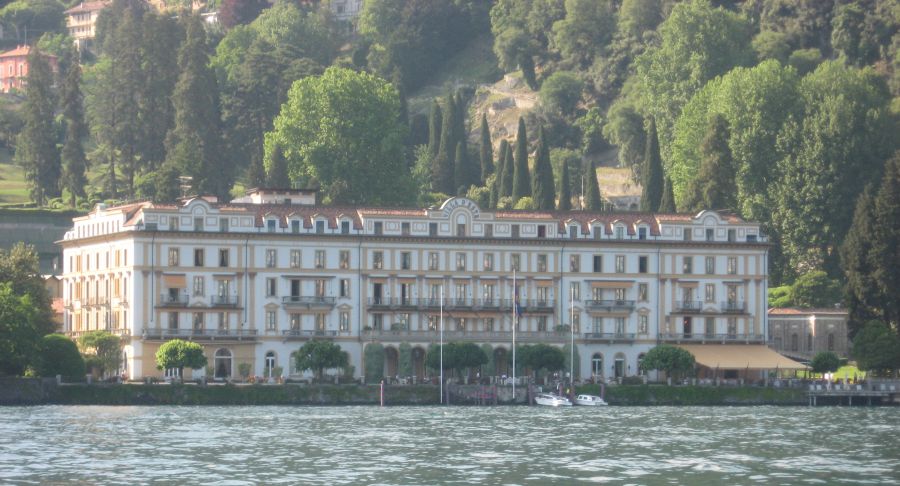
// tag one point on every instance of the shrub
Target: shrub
(60, 356)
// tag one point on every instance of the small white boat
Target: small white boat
(590, 401)
(551, 400)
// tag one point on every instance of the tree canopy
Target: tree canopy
(180, 354)
(318, 355)
(673, 361)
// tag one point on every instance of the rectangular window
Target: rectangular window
(378, 321)
(642, 292)
(710, 327)
(433, 260)
(489, 324)
(732, 327)
(320, 287)
(598, 263)
(687, 295)
(542, 324)
(432, 229)
(461, 262)
(516, 261)
(295, 322)
(620, 326)
(642, 233)
(573, 232)
(732, 294)
(575, 263)
(403, 321)
(296, 258)
(732, 265)
(515, 231)
(377, 260)
(345, 287)
(320, 227)
(596, 293)
(710, 293)
(320, 323)
(222, 288)
(488, 231)
(576, 323)
(461, 229)
(597, 323)
(433, 323)
(270, 287)
(223, 225)
(379, 227)
(223, 257)
(198, 286)
(198, 224)
(575, 290)
(643, 323)
(687, 265)
(404, 229)
(488, 293)
(345, 259)
(320, 259)
(222, 321)
(710, 234)
(173, 320)
(198, 257)
(488, 262)
(270, 225)
(687, 234)
(271, 258)
(295, 226)
(271, 323)
(542, 295)
(345, 227)
(542, 263)
(344, 323)
(542, 231)
(620, 233)
(173, 257)
(642, 264)
(197, 321)
(710, 265)
(620, 263)
(462, 291)
(405, 260)
(620, 294)
(731, 236)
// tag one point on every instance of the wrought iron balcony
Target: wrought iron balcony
(420, 335)
(733, 307)
(173, 300)
(608, 337)
(306, 334)
(700, 337)
(223, 301)
(307, 301)
(615, 305)
(688, 305)
(200, 334)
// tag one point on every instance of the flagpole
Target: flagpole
(442, 344)
(515, 310)
(572, 329)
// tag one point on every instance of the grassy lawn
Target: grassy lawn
(847, 371)
(12, 181)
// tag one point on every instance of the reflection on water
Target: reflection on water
(429, 445)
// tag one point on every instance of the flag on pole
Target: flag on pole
(518, 305)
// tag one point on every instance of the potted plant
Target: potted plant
(244, 370)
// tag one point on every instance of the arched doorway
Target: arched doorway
(418, 359)
(640, 364)
(222, 363)
(597, 366)
(502, 362)
(391, 362)
(269, 364)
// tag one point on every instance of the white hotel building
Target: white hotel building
(254, 279)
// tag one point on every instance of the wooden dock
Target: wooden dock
(883, 394)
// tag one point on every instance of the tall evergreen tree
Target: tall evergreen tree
(542, 188)
(714, 186)
(73, 158)
(521, 181)
(192, 146)
(460, 165)
(863, 298)
(509, 170)
(592, 200)
(434, 128)
(652, 172)
(256, 174)
(277, 171)
(443, 174)
(565, 188)
(126, 56)
(487, 150)
(36, 148)
(886, 241)
(162, 35)
(667, 204)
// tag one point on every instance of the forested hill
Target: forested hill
(783, 111)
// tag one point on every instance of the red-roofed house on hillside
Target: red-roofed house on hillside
(14, 68)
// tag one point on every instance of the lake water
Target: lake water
(449, 445)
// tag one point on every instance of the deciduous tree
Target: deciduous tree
(179, 354)
(59, 356)
(318, 355)
(673, 361)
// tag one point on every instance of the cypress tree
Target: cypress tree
(667, 204)
(592, 200)
(487, 156)
(858, 262)
(192, 144)
(509, 169)
(161, 37)
(434, 128)
(714, 186)
(542, 189)
(442, 173)
(36, 148)
(565, 188)
(256, 173)
(886, 241)
(129, 79)
(277, 171)
(461, 166)
(521, 186)
(73, 158)
(652, 172)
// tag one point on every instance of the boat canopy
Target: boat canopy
(739, 357)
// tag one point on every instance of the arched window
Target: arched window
(270, 363)
(795, 342)
(222, 363)
(597, 365)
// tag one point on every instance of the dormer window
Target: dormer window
(598, 232)
(320, 226)
(345, 227)
(642, 233)
(620, 232)
(573, 231)
(710, 234)
(379, 227)
(270, 225)
(295, 226)
(731, 236)
(542, 231)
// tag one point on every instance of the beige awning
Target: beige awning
(175, 281)
(739, 357)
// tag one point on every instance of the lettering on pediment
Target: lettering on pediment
(460, 202)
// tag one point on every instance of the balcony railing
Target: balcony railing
(223, 301)
(610, 305)
(688, 305)
(450, 304)
(117, 332)
(733, 307)
(292, 334)
(611, 337)
(200, 334)
(419, 335)
(700, 337)
(307, 301)
(173, 300)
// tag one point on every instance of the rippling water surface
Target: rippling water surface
(463, 445)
